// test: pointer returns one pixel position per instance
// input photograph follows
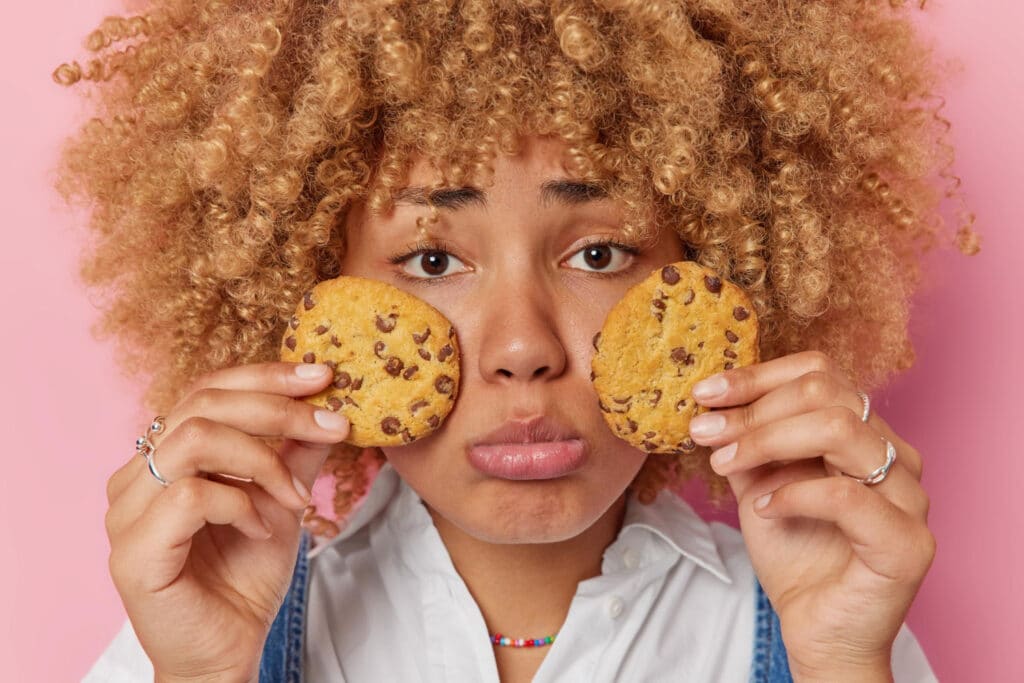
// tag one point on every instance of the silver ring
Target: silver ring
(152, 468)
(866, 400)
(882, 472)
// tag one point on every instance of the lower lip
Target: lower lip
(529, 460)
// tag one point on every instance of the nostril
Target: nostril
(505, 373)
(540, 371)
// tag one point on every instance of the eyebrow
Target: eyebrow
(568, 192)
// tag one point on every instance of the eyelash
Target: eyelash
(437, 245)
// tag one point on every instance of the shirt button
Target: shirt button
(615, 607)
(630, 559)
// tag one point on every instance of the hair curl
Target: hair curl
(788, 143)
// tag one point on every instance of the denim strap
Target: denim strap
(770, 665)
(281, 661)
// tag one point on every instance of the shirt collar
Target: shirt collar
(669, 518)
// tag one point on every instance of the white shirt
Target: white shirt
(674, 602)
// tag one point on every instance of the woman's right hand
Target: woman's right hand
(200, 576)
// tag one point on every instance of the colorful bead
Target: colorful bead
(505, 641)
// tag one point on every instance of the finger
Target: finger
(745, 384)
(257, 414)
(204, 446)
(283, 378)
(838, 437)
(807, 393)
(879, 531)
(151, 552)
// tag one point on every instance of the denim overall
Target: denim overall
(282, 655)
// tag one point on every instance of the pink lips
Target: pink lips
(536, 449)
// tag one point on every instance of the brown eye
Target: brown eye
(601, 257)
(598, 256)
(434, 262)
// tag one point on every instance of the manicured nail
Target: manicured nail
(301, 489)
(706, 425)
(710, 388)
(311, 370)
(763, 501)
(330, 421)
(724, 455)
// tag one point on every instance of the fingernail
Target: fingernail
(330, 421)
(311, 370)
(711, 387)
(724, 454)
(301, 489)
(707, 425)
(763, 501)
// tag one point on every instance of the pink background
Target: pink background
(69, 419)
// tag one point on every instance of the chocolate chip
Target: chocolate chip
(433, 421)
(623, 401)
(333, 365)
(334, 403)
(416, 405)
(648, 435)
(342, 380)
(679, 354)
(349, 401)
(424, 354)
(740, 313)
(407, 436)
(659, 316)
(357, 385)
(393, 366)
(410, 371)
(444, 384)
(603, 407)
(657, 398)
(390, 425)
(386, 324)
(687, 445)
(689, 360)
(689, 298)
(445, 352)
(592, 376)
(290, 342)
(320, 329)
(729, 366)
(669, 275)
(308, 301)
(309, 357)
(700, 345)
(420, 338)
(596, 340)
(658, 303)
(713, 284)
(451, 332)
(294, 322)
(680, 405)
(378, 348)
(729, 353)
(731, 336)
(660, 294)
(650, 446)
(335, 341)
(633, 426)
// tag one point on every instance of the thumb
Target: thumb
(305, 459)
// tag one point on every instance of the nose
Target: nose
(520, 339)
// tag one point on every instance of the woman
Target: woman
(518, 166)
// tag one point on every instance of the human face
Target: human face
(509, 265)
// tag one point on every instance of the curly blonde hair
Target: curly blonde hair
(789, 143)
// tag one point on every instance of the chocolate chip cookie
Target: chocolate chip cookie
(680, 325)
(395, 358)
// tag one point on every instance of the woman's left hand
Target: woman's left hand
(840, 561)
